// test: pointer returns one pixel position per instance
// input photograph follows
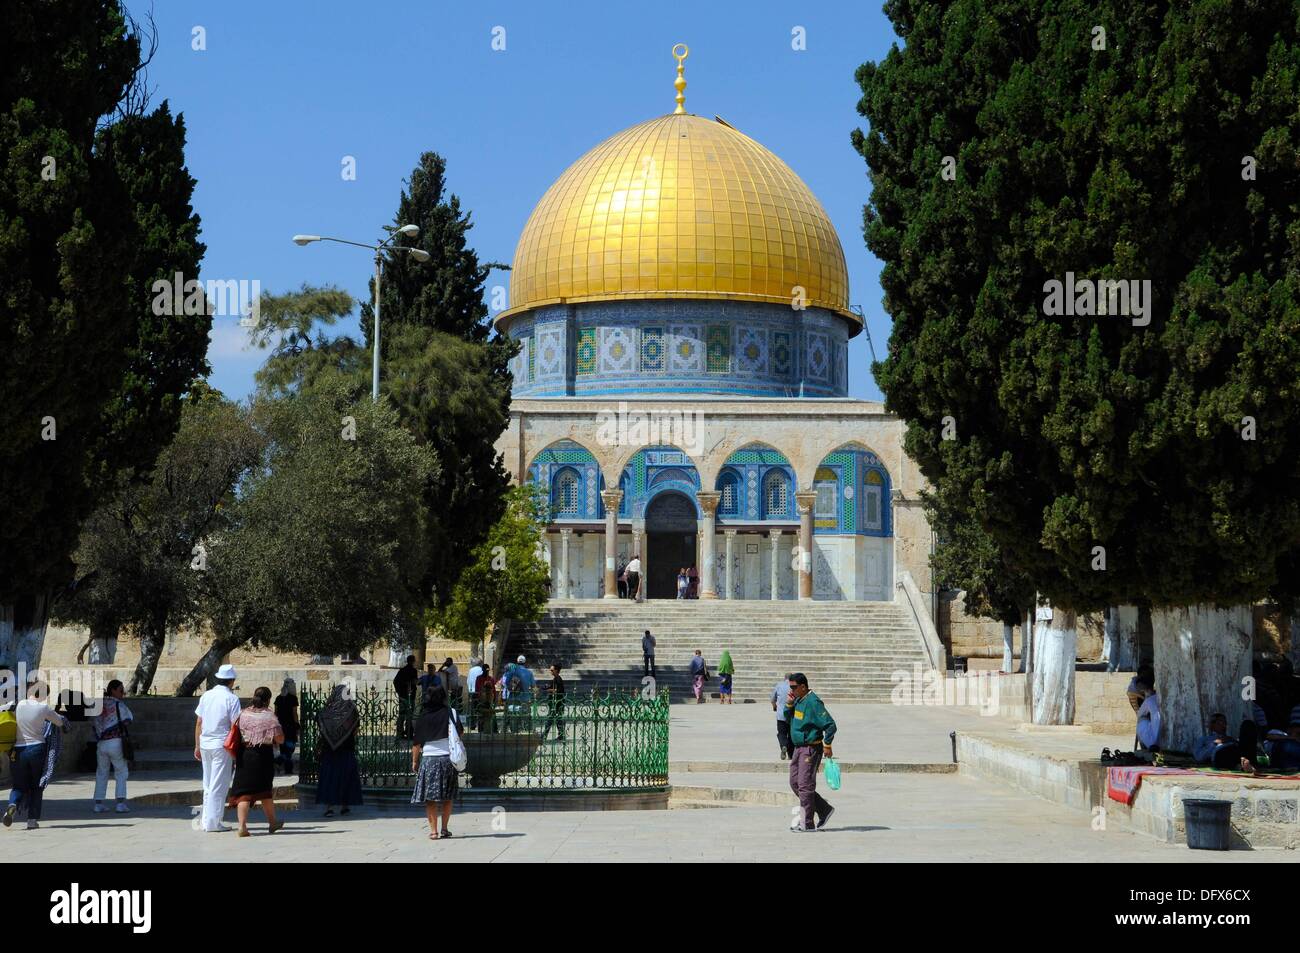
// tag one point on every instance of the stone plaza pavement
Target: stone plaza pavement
(732, 804)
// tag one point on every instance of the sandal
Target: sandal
(445, 833)
(272, 828)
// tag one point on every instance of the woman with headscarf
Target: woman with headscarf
(286, 712)
(436, 779)
(726, 671)
(259, 732)
(340, 777)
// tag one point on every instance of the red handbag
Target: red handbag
(234, 740)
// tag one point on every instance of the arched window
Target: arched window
(873, 501)
(564, 493)
(826, 512)
(625, 484)
(776, 496)
(729, 485)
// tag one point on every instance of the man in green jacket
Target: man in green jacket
(812, 729)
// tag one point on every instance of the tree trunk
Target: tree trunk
(103, 643)
(1055, 644)
(1145, 639)
(22, 631)
(1128, 640)
(207, 665)
(1008, 648)
(1202, 655)
(151, 646)
(1027, 642)
(1110, 638)
(1293, 652)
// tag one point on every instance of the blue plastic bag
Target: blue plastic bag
(832, 773)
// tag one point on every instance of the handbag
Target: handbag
(234, 740)
(455, 747)
(128, 746)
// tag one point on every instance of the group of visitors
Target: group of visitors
(629, 577)
(699, 673)
(688, 583)
(1268, 738)
(408, 682)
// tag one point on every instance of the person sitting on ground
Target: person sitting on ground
(1283, 748)
(1148, 721)
(1224, 752)
(1139, 685)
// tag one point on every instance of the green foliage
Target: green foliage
(327, 543)
(1127, 163)
(292, 326)
(78, 255)
(506, 576)
(138, 549)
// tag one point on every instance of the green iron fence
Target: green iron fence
(589, 741)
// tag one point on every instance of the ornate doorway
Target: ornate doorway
(671, 526)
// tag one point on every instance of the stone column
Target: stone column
(726, 575)
(564, 562)
(611, 499)
(775, 536)
(805, 502)
(708, 500)
(638, 551)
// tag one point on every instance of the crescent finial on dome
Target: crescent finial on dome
(680, 82)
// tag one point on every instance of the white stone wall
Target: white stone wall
(805, 430)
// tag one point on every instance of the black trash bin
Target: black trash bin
(1209, 823)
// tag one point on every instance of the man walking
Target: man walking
(648, 653)
(634, 577)
(404, 683)
(218, 708)
(811, 732)
(778, 699)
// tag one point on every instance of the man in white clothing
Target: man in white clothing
(218, 708)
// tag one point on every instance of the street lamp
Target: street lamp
(419, 254)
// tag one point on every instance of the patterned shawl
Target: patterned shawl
(53, 745)
(339, 718)
(258, 726)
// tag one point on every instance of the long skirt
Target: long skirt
(340, 779)
(436, 780)
(697, 685)
(254, 775)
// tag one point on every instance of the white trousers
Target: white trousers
(106, 753)
(218, 773)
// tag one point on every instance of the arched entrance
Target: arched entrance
(670, 527)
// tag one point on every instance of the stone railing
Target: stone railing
(907, 594)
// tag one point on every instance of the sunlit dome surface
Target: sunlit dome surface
(679, 207)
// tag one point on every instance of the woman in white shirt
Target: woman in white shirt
(30, 752)
(436, 779)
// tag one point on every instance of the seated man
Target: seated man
(1283, 748)
(1221, 750)
(1148, 723)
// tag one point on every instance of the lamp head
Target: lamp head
(305, 239)
(410, 231)
(419, 254)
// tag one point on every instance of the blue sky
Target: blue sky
(285, 90)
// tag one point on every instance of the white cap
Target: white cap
(521, 660)
(225, 672)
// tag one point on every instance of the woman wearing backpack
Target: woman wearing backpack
(111, 736)
(434, 756)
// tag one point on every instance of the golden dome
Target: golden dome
(679, 207)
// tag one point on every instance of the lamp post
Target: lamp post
(419, 254)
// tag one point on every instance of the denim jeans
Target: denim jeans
(27, 771)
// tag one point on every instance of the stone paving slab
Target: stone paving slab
(906, 817)
(867, 733)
